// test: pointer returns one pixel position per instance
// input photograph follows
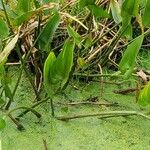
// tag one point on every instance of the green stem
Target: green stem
(52, 108)
(14, 91)
(33, 106)
(38, 115)
(19, 126)
(26, 71)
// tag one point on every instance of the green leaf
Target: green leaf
(146, 15)
(64, 62)
(83, 3)
(98, 11)
(24, 6)
(48, 31)
(7, 50)
(2, 124)
(127, 62)
(56, 70)
(4, 30)
(129, 9)
(22, 18)
(128, 32)
(144, 96)
(75, 35)
(116, 11)
(48, 67)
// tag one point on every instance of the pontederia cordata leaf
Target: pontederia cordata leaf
(146, 15)
(83, 3)
(47, 32)
(116, 11)
(128, 60)
(98, 12)
(75, 35)
(4, 29)
(56, 70)
(63, 63)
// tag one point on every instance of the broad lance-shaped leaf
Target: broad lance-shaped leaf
(67, 59)
(4, 30)
(129, 9)
(48, 66)
(63, 63)
(47, 33)
(146, 15)
(83, 3)
(7, 50)
(24, 6)
(144, 96)
(75, 35)
(128, 60)
(116, 10)
(98, 11)
(56, 70)
(22, 18)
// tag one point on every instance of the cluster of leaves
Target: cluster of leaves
(30, 27)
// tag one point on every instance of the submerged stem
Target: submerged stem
(103, 114)
(52, 107)
(33, 106)
(38, 115)
(19, 126)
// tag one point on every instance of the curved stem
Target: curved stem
(38, 115)
(33, 106)
(19, 126)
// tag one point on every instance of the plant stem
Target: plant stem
(19, 126)
(103, 114)
(89, 103)
(33, 106)
(14, 91)
(96, 75)
(38, 115)
(26, 71)
(52, 108)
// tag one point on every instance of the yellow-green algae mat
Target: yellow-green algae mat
(121, 133)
